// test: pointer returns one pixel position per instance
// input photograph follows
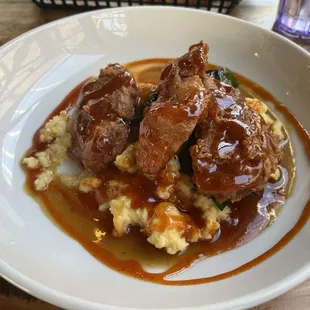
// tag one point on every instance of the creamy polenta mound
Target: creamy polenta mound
(58, 139)
(164, 225)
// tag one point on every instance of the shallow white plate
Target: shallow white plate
(39, 68)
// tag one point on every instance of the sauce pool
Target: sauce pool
(78, 215)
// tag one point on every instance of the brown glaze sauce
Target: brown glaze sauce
(77, 213)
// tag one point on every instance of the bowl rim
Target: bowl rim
(60, 299)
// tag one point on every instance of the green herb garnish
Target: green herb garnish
(222, 205)
(139, 113)
(224, 75)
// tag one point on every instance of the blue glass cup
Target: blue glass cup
(293, 19)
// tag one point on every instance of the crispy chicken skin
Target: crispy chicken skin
(169, 122)
(236, 152)
(100, 123)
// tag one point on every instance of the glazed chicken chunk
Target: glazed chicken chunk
(100, 123)
(169, 122)
(236, 152)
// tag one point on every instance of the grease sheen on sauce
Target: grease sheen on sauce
(77, 213)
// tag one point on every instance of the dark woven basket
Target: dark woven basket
(221, 6)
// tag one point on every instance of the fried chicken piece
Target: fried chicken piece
(100, 123)
(169, 122)
(236, 152)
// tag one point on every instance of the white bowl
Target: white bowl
(39, 68)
